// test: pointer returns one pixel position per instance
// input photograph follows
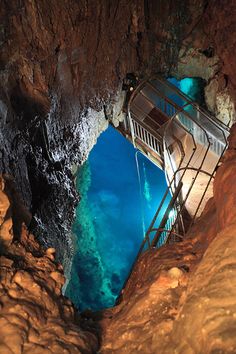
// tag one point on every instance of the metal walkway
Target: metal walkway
(183, 140)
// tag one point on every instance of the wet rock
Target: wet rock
(60, 65)
(34, 316)
(175, 273)
(4, 205)
(6, 234)
(219, 101)
(61, 69)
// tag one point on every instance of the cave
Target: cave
(120, 191)
(115, 211)
(193, 87)
(79, 75)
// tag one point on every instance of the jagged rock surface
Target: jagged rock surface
(34, 316)
(60, 64)
(207, 50)
(61, 69)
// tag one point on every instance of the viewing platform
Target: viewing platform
(182, 139)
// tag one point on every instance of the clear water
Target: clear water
(193, 87)
(120, 191)
(114, 212)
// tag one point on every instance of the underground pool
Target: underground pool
(120, 191)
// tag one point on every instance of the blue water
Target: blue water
(114, 212)
(193, 87)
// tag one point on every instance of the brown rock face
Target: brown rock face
(57, 60)
(224, 190)
(207, 51)
(219, 24)
(34, 316)
(82, 51)
(207, 319)
(6, 223)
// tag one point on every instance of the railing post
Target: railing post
(131, 129)
(166, 215)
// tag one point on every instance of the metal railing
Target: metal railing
(146, 137)
(207, 140)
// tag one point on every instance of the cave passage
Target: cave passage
(112, 217)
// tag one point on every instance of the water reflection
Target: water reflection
(115, 210)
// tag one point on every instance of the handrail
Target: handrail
(166, 215)
(213, 138)
(172, 87)
(157, 148)
(196, 175)
(166, 99)
(167, 230)
(172, 181)
(158, 136)
(146, 239)
(214, 119)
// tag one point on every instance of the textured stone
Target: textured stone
(6, 234)
(4, 205)
(61, 69)
(34, 317)
(219, 100)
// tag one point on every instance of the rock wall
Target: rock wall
(180, 298)
(61, 69)
(35, 317)
(207, 50)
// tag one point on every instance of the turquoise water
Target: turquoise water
(120, 191)
(193, 87)
(114, 212)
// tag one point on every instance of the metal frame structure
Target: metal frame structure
(207, 139)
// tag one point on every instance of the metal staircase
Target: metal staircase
(187, 143)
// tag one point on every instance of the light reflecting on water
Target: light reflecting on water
(112, 216)
(120, 192)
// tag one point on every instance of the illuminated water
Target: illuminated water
(111, 218)
(193, 87)
(114, 212)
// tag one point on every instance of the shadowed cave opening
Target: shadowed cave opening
(120, 191)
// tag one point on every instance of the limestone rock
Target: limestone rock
(34, 317)
(6, 233)
(220, 102)
(61, 63)
(4, 206)
(175, 273)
